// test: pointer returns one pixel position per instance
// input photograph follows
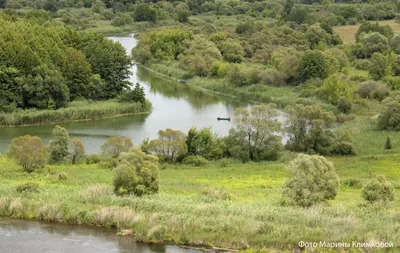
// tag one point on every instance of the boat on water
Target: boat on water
(184, 81)
(221, 118)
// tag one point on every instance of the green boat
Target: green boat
(228, 119)
(182, 81)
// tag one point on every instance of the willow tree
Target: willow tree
(28, 151)
(254, 135)
(169, 145)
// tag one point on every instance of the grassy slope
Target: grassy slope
(347, 33)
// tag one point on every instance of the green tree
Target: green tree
(28, 151)
(76, 150)
(144, 12)
(309, 129)
(253, 136)
(374, 43)
(378, 66)
(313, 64)
(378, 190)
(135, 95)
(204, 143)
(169, 145)
(115, 145)
(389, 118)
(232, 51)
(58, 148)
(317, 36)
(335, 87)
(388, 143)
(136, 173)
(367, 27)
(313, 180)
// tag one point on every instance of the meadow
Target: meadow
(225, 203)
(76, 111)
(347, 32)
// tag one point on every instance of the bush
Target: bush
(28, 151)
(195, 160)
(137, 173)
(313, 180)
(373, 90)
(93, 159)
(344, 148)
(378, 190)
(344, 105)
(389, 119)
(28, 187)
(353, 182)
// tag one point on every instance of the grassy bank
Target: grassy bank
(76, 111)
(225, 204)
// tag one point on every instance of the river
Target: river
(23, 236)
(176, 106)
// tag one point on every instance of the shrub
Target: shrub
(28, 187)
(195, 160)
(28, 151)
(76, 150)
(389, 119)
(58, 148)
(115, 145)
(344, 148)
(373, 90)
(353, 182)
(93, 159)
(313, 180)
(344, 105)
(137, 173)
(388, 143)
(378, 190)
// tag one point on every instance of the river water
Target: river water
(176, 106)
(23, 236)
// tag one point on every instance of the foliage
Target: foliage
(195, 160)
(389, 119)
(27, 187)
(373, 90)
(313, 180)
(344, 105)
(144, 12)
(137, 95)
(115, 145)
(388, 143)
(309, 129)
(204, 143)
(313, 65)
(335, 87)
(253, 136)
(136, 173)
(28, 151)
(169, 145)
(58, 148)
(378, 190)
(76, 150)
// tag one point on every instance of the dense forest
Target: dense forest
(44, 65)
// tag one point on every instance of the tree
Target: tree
(135, 95)
(313, 64)
(76, 150)
(144, 12)
(182, 12)
(367, 27)
(28, 151)
(374, 43)
(317, 36)
(313, 180)
(136, 173)
(115, 145)
(169, 145)
(378, 66)
(204, 143)
(309, 129)
(389, 119)
(232, 51)
(335, 87)
(378, 190)
(58, 148)
(253, 136)
(388, 143)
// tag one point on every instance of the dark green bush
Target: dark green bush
(378, 190)
(93, 159)
(344, 148)
(195, 160)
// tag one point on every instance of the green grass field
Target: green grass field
(347, 32)
(225, 204)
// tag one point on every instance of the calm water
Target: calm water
(20, 236)
(176, 106)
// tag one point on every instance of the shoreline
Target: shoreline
(92, 111)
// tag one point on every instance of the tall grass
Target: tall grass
(197, 207)
(76, 111)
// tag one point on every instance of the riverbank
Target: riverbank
(76, 111)
(225, 204)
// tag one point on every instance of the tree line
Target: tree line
(45, 66)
